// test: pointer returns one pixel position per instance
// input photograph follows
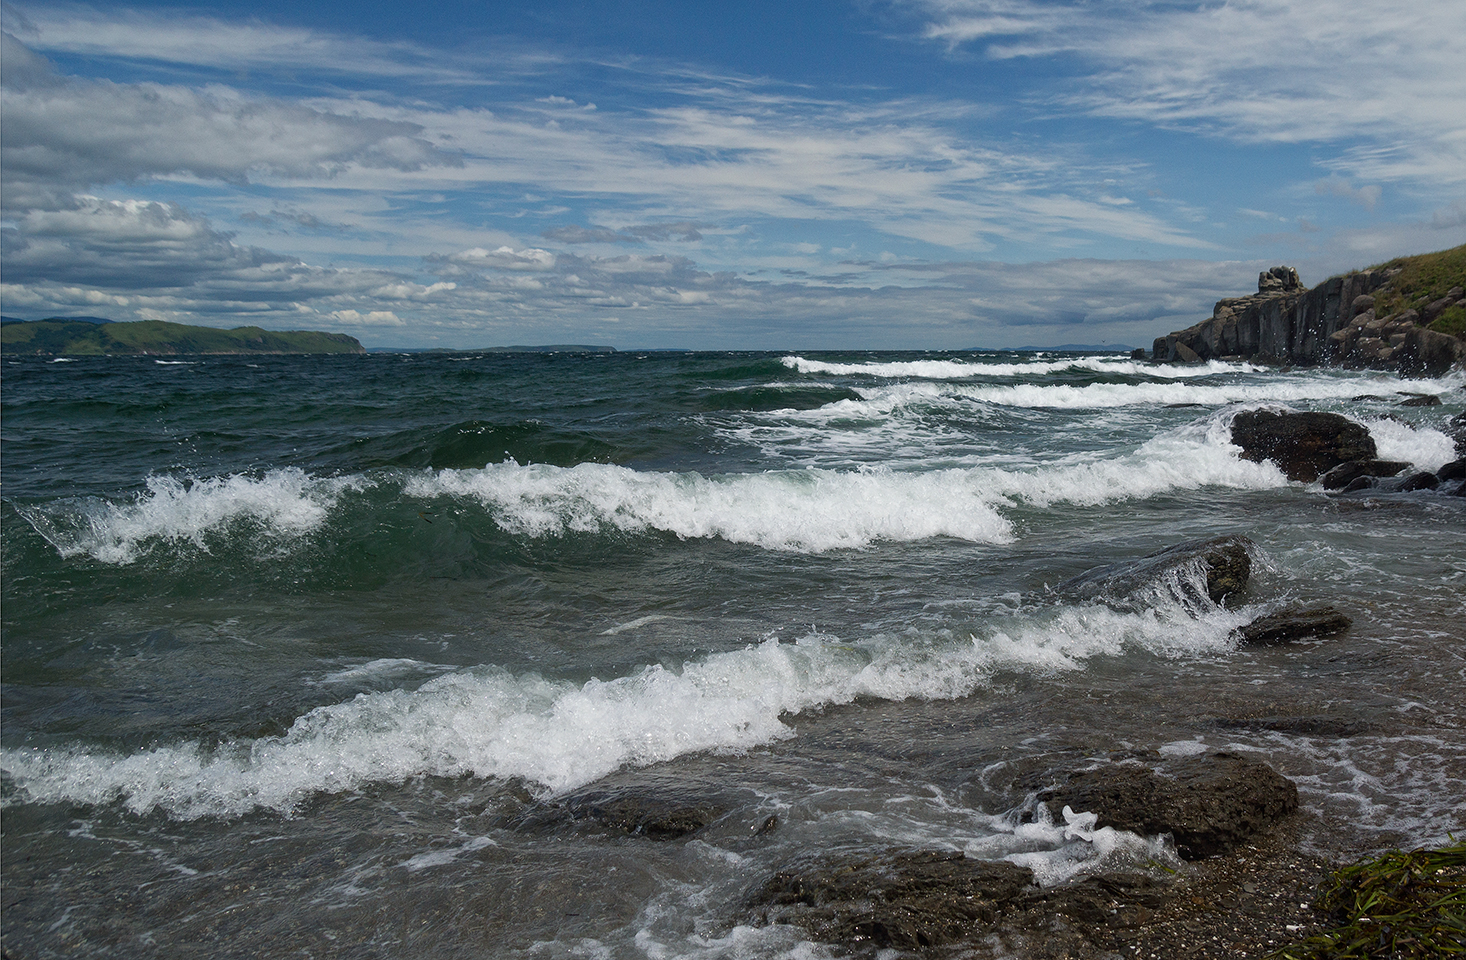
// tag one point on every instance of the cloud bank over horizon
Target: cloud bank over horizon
(1006, 172)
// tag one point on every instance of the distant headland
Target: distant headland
(96, 336)
(1407, 315)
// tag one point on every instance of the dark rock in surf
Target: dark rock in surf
(1224, 562)
(655, 817)
(648, 816)
(1427, 353)
(1422, 400)
(903, 900)
(1208, 803)
(1304, 445)
(1456, 430)
(1294, 623)
(1455, 470)
(1419, 481)
(1344, 474)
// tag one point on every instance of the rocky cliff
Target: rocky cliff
(1388, 317)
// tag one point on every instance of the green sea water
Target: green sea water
(326, 655)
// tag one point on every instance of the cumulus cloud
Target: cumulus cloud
(372, 318)
(502, 258)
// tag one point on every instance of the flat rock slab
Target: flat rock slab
(1208, 803)
(1303, 445)
(1294, 623)
(1218, 568)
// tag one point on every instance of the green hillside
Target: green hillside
(1423, 279)
(76, 338)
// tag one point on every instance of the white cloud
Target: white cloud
(372, 318)
(1388, 73)
(59, 134)
(505, 258)
(1336, 186)
(183, 38)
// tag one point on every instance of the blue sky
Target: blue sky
(922, 174)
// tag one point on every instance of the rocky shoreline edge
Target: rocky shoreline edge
(1407, 315)
(1213, 864)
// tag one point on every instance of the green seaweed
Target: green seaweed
(1397, 905)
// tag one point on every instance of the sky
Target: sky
(827, 174)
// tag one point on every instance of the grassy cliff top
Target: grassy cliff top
(61, 337)
(1423, 279)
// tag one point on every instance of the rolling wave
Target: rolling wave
(811, 510)
(557, 735)
(966, 369)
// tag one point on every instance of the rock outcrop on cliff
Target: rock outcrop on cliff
(1355, 320)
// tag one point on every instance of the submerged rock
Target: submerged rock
(1294, 623)
(1208, 803)
(902, 900)
(655, 816)
(649, 817)
(1218, 567)
(1304, 445)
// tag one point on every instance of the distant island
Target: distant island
(95, 336)
(541, 348)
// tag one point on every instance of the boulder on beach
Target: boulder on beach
(1218, 567)
(1208, 803)
(1304, 445)
(1294, 622)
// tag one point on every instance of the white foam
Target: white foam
(964, 369)
(1076, 848)
(441, 858)
(282, 504)
(798, 510)
(560, 735)
(1426, 448)
(633, 624)
(386, 668)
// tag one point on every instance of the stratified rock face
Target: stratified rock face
(1209, 803)
(1224, 564)
(1283, 322)
(906, 901)
(1304, 445)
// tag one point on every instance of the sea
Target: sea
(389, 655)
